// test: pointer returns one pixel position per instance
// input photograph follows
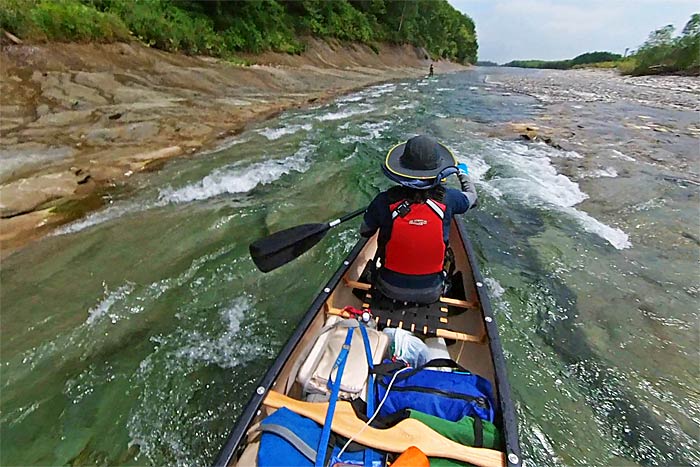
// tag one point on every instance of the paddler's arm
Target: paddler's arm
(367, 231)
(468, 190)
(373, 216)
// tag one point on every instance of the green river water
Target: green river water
(135, 336)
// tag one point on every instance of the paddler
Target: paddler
(414, 219)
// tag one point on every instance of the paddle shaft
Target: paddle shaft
(398, 438)
(346, 217)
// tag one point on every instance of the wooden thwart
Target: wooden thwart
(444, 333)
(398, 438)
(458, 303)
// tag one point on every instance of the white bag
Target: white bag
(314, 372)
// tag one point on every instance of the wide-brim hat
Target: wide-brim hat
(419, 158)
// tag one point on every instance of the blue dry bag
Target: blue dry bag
(290, 439)
(449, 395)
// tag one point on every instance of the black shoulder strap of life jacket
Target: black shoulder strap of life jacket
(404, 208)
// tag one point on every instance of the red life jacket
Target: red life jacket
(416, 245)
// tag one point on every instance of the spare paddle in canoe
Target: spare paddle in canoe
(398, 438)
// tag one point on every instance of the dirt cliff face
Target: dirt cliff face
(76, 119)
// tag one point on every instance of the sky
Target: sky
(560, 29)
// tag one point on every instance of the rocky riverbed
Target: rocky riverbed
(78, 120)
(651, 119)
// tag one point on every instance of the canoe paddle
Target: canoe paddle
(398, 438)
(281, 247)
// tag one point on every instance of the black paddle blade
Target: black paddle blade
(281, 247)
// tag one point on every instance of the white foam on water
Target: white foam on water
(614, 235)
(651, 204)
(534, 179)
(103, 306)
(352, 98)
(477, 167)
(477, 172)
(223, 350)
(445, 89)
(375, 129)
(607, 172)
(376, 91)
(126, 300)
(349, 139)
(223, 221)
(164, 388)
(544, 441)
(620, 155)
(235, 179)
(371, 130)
(345, 113)
(404, 106)
(239, 179)
(276, 133)
(559, 154)
(495, 289)
(340, 248)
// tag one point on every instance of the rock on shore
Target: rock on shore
(76, 119)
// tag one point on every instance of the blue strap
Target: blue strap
(369, 455)
(335, 390)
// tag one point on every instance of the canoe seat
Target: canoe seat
(444, 300)
(430, 320)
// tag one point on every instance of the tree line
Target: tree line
(222, 28)
(588, 58)
(662, 52)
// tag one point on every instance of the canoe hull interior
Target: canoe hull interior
(484, 358)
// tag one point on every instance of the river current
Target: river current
(135, 335)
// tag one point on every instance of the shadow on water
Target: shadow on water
(625, 418)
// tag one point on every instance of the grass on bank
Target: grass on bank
(60, 20)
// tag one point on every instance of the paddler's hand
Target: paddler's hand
(467, 186)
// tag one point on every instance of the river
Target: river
(135, 335)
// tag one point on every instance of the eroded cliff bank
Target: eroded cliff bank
(77, 119)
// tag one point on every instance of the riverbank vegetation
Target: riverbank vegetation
(587, 59)
(664, 53)
(221, 28)
(661, 53)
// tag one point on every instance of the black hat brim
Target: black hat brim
(393, 163)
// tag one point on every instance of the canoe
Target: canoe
(474, 344)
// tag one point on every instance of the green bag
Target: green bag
(461, 432)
